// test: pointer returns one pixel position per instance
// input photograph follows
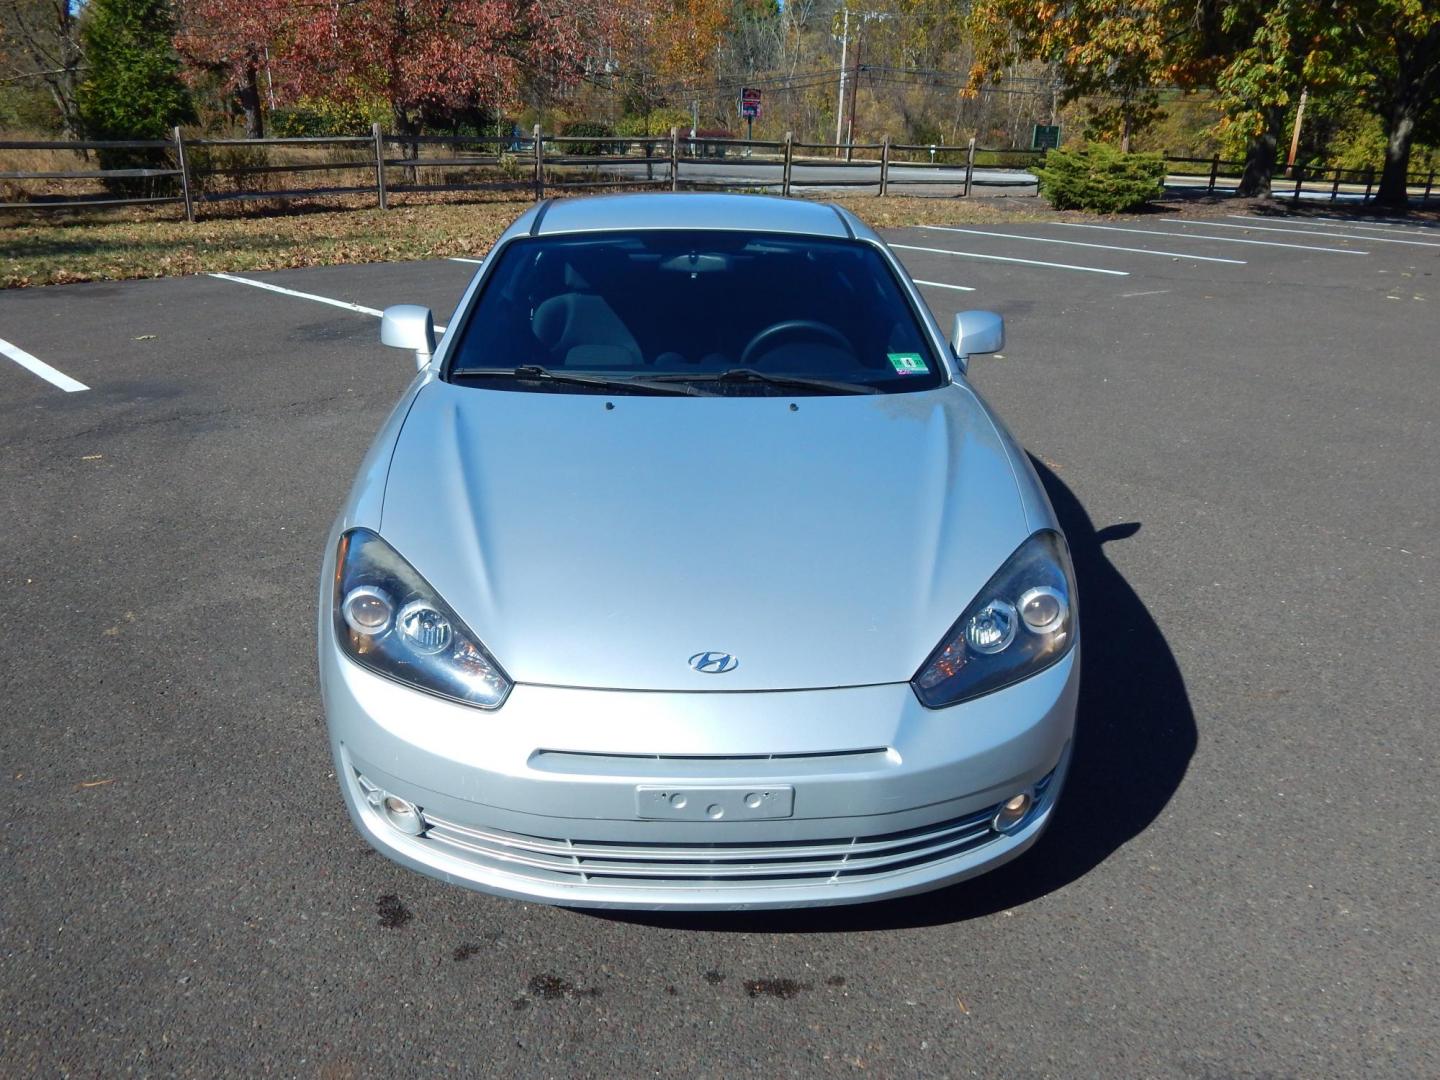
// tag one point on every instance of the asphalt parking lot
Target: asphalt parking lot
(1237, 423)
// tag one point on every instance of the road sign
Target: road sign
(1045, 137)
(750, 102)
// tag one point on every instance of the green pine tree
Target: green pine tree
(132, 89)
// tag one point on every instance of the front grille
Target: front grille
(718, 865)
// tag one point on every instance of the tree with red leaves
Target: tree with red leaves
(230, 39)
(441, 55)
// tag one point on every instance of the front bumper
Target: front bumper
(538, 800)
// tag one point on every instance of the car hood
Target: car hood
(820, 541)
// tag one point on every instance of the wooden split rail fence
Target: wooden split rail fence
(194, 173)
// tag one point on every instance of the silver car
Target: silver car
(690, 573)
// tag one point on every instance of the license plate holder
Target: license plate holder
(682, 802)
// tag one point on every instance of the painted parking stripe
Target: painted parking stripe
(345, 304)
(1307, 232)
(457, 258)
(37, 366)
(1377, 226)
(1008, 259)
(1219, 239)
(302, 295)
(1082, 243)
(943, 285)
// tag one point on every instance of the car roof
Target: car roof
(685, 210)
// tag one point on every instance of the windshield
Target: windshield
(721, 312)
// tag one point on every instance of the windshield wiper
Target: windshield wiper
(798, 382)
(544, 374)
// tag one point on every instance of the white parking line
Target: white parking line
(302, 295)
(457, 258)
(1201, 236)
(942, 285)
(39, 367)
(1082, 243)
(1307, 232)
(1377, 226)
(345, 304)
(1006, 258)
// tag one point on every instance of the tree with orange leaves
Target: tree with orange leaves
(1119, 51)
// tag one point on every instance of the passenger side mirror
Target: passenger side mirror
(977, 332)
(409, 326)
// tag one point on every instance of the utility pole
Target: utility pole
(864, 17)
(840, 104)
(1295, 135)
(855, 86)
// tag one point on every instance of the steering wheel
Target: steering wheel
(763, 339)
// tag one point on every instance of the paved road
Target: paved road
(1241, 881)
(865, 178)
(921, 179)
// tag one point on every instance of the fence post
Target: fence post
(969, 164)
(1335, 187)
(884, 165)
(539, 163)
(1369, 183)
(649, 162)
(1214, 173)
(1299, 180)
(184, 176)
(1429, 183)
(380, 166)
(789, 160)
(674, 159)
(850, 149)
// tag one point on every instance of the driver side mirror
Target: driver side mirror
(977, 332)
(409, 326)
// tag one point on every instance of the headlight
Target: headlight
(1019, 624)
(389, 619)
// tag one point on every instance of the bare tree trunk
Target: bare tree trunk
(1126, 125)
(1260, 158)
(248, 97)
(407, 124)
(1399, 135)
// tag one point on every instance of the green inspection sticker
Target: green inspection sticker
(908, 363)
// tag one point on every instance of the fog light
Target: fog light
(1012, 812)
(403, 814)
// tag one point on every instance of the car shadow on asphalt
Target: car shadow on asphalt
(1135, 736)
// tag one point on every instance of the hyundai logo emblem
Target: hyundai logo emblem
(713, 663)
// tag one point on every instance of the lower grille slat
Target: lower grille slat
(721, 864)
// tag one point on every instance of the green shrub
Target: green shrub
(655, 123)
(315, 117)
(587, 129)
(1101, 179)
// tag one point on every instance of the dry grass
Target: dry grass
(41, 161)
(36, 250)
(138, 245)
(141, 244)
